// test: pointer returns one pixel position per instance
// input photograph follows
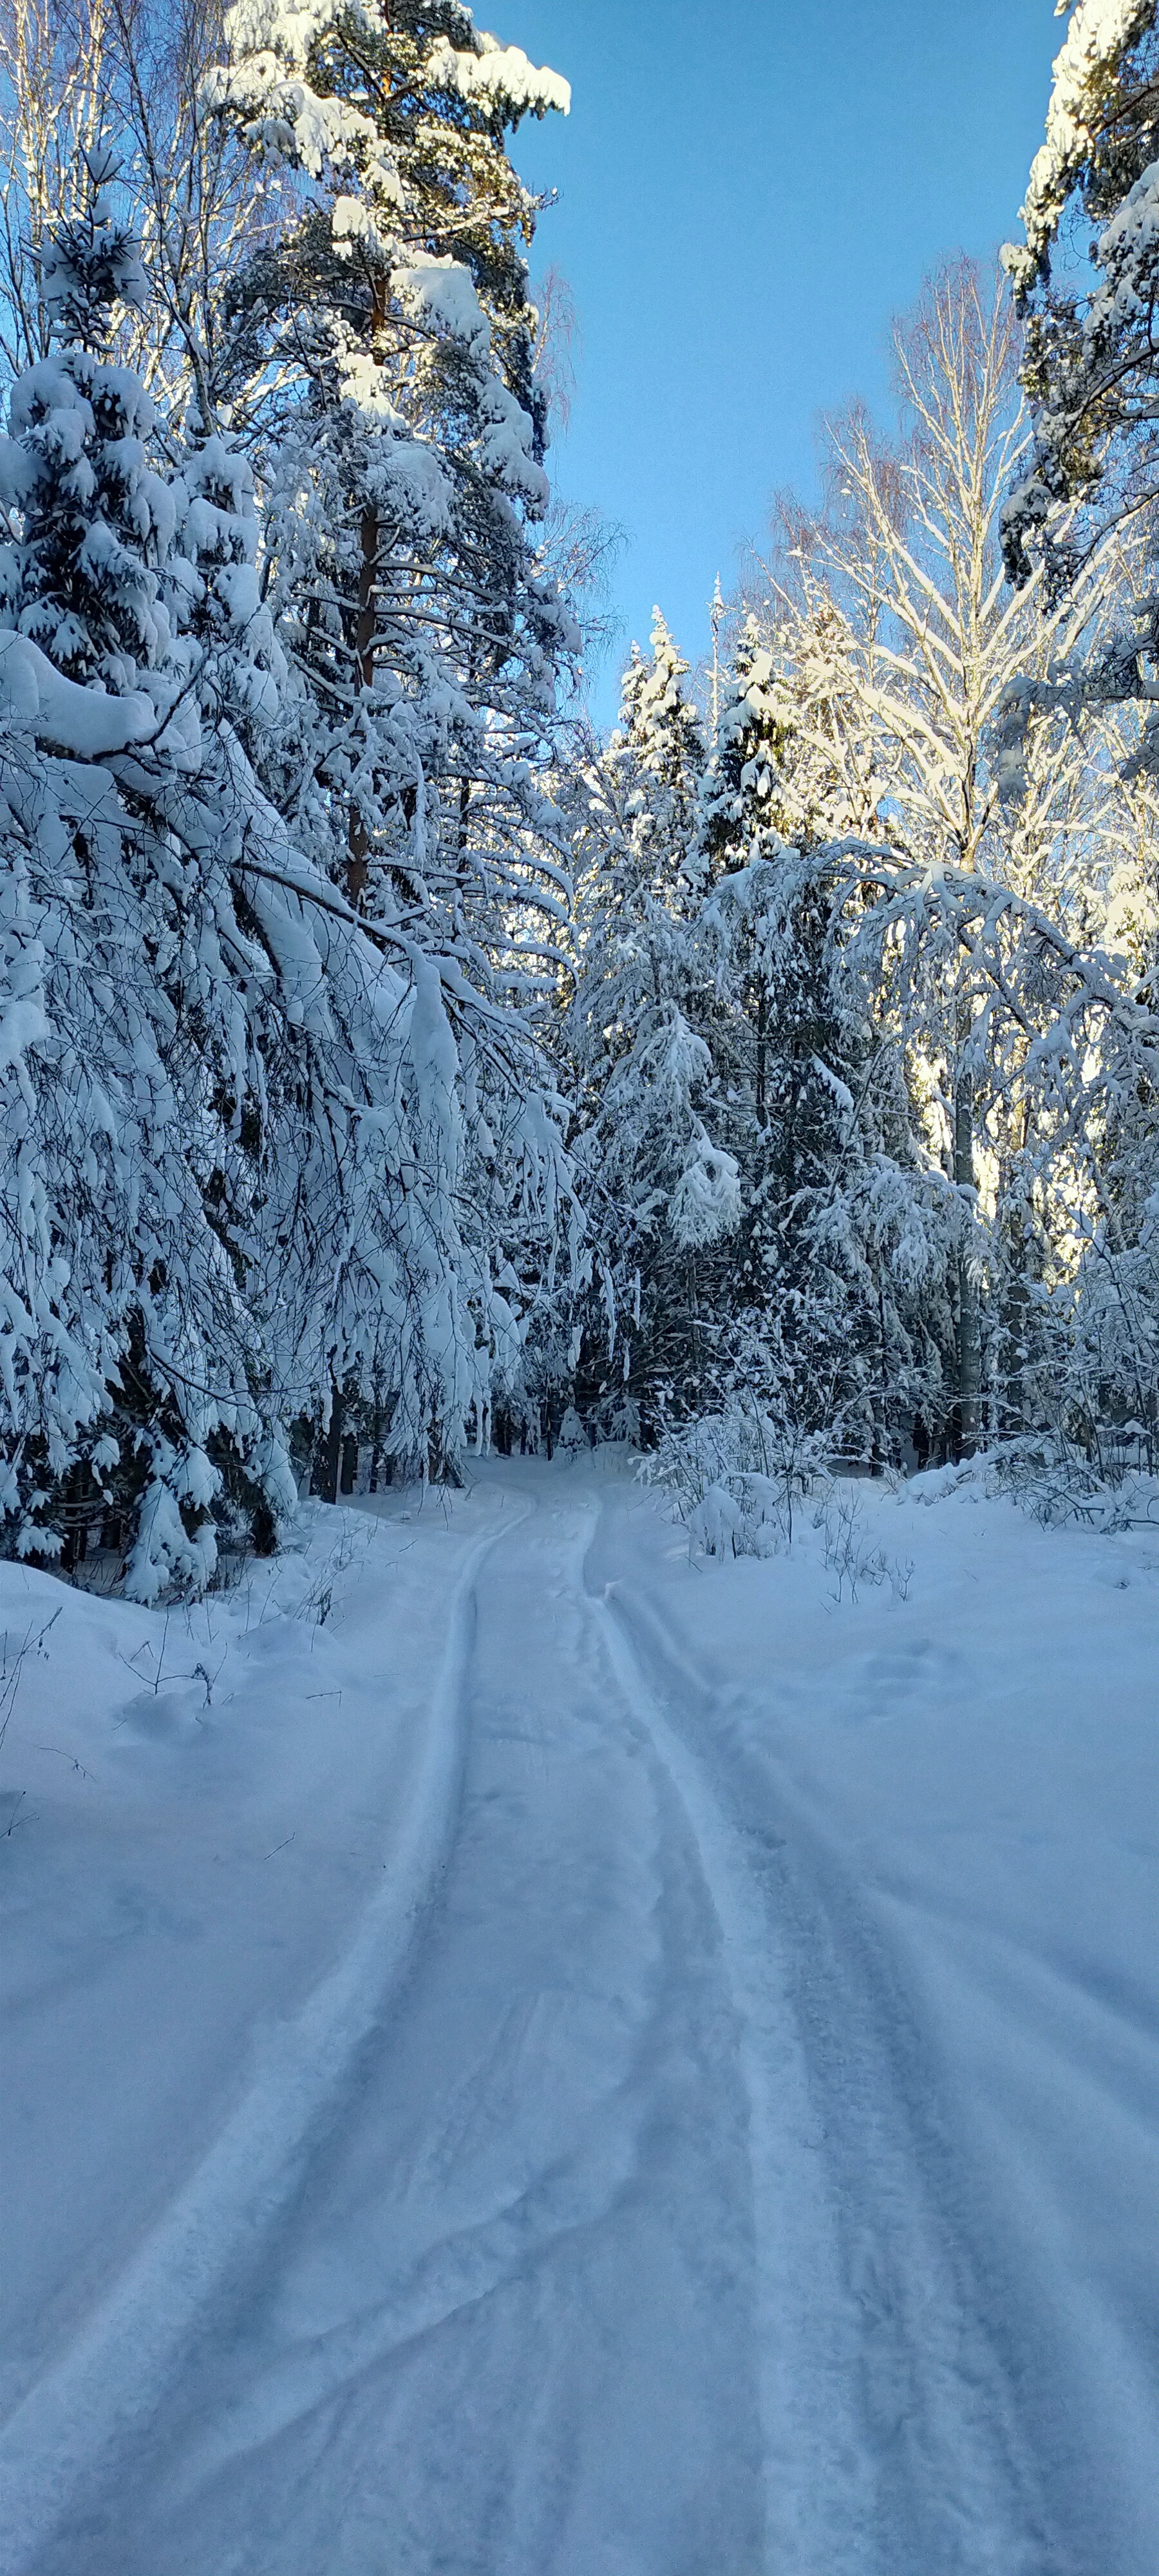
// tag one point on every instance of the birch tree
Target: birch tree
(904, 572)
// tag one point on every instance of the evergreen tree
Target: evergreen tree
(239, 1116)
(403, 444)
(1090, 366)
(815, 1316)
(133, 1368)
(1091, 373)
(82, 581)
(661, 1189)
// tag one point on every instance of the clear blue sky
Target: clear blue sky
(747, 193)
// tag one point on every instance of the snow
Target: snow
(85, 722)
(505, 446)
(288, 121)
(500, 74)
(526, 2052)
(440, 293)
(706, 1201)
(353, 221)
(270, 43)
(405, 474)
(1126, 252)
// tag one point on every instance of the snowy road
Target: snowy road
(580, 2185)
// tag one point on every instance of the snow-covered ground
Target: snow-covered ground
(579, 2063)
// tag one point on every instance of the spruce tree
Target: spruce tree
(135, 1368)
(242, 1118)
(388, 382)
(82, 581)
(811, 1317)
(663, 1191)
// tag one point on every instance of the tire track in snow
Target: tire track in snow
(594, 2169)
(113, 2377)
(458, 2274)
(869, 2367)
(570, 2197)
(812, 2516)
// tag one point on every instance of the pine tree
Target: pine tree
(1091, 372)
(1090, 361)
(405, 440)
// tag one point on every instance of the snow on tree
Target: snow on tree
(1088, 489)
(239, 1116)
(908, 561)
(390, 391)
(1090, 363)
(829, 775)
(80, 582)
(740, 801)
(661, 1189)
(813, 1312)
(1085, 280)
(408, 469)
(131, 1362)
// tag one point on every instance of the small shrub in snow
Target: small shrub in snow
(848, 1553)
(735, 1476)
(1059, 1481)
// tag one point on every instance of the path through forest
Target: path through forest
(584, 2065)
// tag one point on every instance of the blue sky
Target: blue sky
(747, 193)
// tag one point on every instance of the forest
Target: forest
(395, 1067)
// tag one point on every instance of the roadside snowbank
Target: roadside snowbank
(196, 1808)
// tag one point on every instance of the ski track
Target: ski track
(594, 2217)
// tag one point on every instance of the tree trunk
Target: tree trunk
(442, 1468)
(881, 1456)
(1017, 1320)
(328, 1454)
(358, 838)
(969, 1313)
